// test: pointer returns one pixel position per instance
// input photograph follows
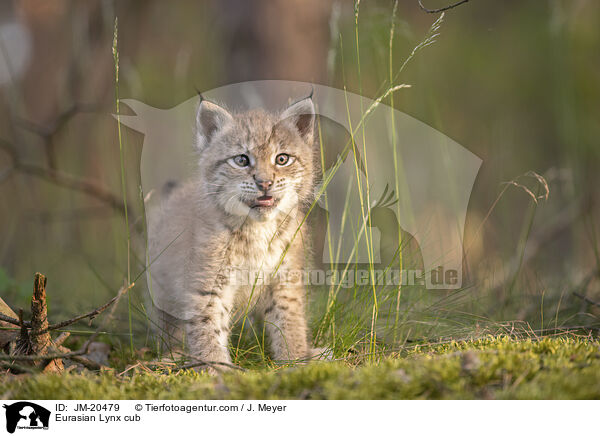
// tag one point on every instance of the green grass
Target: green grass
(493, 368)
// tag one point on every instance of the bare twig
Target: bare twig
(48, 133)
(23, 342)
(13, 321)
(65, 323)
(84, 348)
(90, 315)
(197, 362)
(61, 338)
(61, 120)
(437, 11)
(212, 364)
(118, 297)
(129, 368)
(36, 357)
(51, 174)
(16, 367)
(88, 363)
(586, 299)
(75, 183)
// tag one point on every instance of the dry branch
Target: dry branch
(13, 321)
(437, 11)
(16, 367)
(75, 183)
(586, 299)
(61, 338)
(48, 133)
(39, 335)
(89, 364)
(211, 364)
(39, 342)
(91, 315)
(116, 299)
(37, 357)
(23, 342)
(50, 173)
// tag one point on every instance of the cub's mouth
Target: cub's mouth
(266, 201)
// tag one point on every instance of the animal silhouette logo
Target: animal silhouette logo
(26, 415)
(396, 162)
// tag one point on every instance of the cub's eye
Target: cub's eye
(240, 161)
(284, 159)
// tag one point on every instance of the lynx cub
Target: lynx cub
(240, 213)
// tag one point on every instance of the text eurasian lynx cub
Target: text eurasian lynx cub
(240, 213)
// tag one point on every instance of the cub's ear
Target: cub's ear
(302, 115)
(210, 118)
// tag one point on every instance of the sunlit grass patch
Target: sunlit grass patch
(500, 368)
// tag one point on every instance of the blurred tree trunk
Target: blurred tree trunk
(276, 39)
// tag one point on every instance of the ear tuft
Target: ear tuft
(302, 115)
(210, 118)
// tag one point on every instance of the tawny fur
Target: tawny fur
(208, 230)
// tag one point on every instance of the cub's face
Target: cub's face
(256, 164)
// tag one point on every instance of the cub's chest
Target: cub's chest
(256, 249)
(251, 263)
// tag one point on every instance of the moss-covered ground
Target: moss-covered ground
(493, 368)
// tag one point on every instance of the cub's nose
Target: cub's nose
(263, 185)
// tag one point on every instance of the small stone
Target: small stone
(402, 375)
(469, 361)
(98, 352)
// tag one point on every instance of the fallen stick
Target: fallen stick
(65, 323)
(70, 355)
(89, 364)
(23, 343)
(36, 357)
(90, 315)
(17, 367)
(116, 299)
(39, 335)
(586, 299)
(211, 364)
(196, 362)
(61, 338)
(13, 321)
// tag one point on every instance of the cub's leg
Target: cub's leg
(208, 330)
(285, 321)
(168, 331)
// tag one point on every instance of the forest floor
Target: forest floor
(565, 367)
